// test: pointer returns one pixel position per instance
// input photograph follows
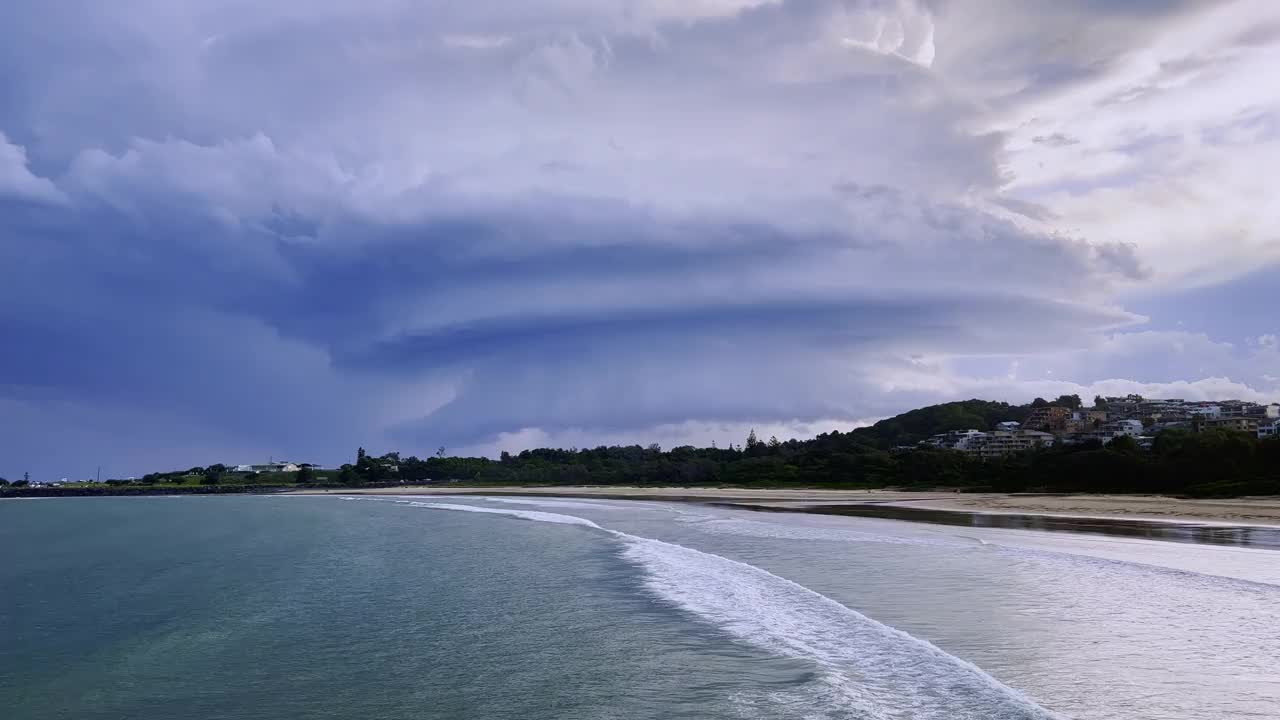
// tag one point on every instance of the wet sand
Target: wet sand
(1253, 536)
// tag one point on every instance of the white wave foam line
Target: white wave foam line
(535, 515)
(569, 504)
(868, 669)
(880, 672)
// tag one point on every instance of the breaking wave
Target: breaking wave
(865, 670)
(535, 515)
(569, 504)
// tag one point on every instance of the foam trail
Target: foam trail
(571, 504)
(522, 514)
(867, 670)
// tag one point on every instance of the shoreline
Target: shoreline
(1255, 511)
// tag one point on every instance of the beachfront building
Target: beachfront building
(268, 467)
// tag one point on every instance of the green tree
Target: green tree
(1039, 403)
(305, 475)
(349, 476)
(3, 482)
(1069, 401)
(1099, 402)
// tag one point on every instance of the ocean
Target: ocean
(547, 608)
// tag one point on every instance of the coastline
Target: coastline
(1262, 511)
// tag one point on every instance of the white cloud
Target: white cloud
(17, 180)
(1165, 145)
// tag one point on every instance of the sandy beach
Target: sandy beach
(1253, 510)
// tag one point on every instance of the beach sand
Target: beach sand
(1252, 511)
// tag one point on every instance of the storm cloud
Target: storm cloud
(228, 231)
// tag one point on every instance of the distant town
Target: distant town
(1131, 416)
(196, 475)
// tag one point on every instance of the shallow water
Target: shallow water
(278, 607)
(1205, 533)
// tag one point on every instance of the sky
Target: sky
(234, 230)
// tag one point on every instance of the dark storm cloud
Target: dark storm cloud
(235, 228)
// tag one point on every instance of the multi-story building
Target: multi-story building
(1269, 430)
(1086, 420)
(1051, 419)
(1001, 442)
(1240, 424)
(1112, 430)
(956, 440)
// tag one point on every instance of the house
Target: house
(1128, 428)
(1008, 425)
(270, 467)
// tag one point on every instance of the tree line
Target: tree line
(1212, 463)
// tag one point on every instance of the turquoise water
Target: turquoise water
(306, 607)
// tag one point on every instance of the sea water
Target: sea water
(531, 608)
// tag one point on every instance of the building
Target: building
(1008, 425)
(957, 440)
(1002, 442)
(1269, 430)
(269, 467)
(1125, 406)
(1112, 430)
(1127, 428)
(1086, 420)
(1239, 424)
(1051, 419)
(1206, 412)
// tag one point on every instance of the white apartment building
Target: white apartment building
(1267, 431)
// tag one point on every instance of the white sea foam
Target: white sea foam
(568, 504)
(866, 670)
(522, 514)
(869, 669)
